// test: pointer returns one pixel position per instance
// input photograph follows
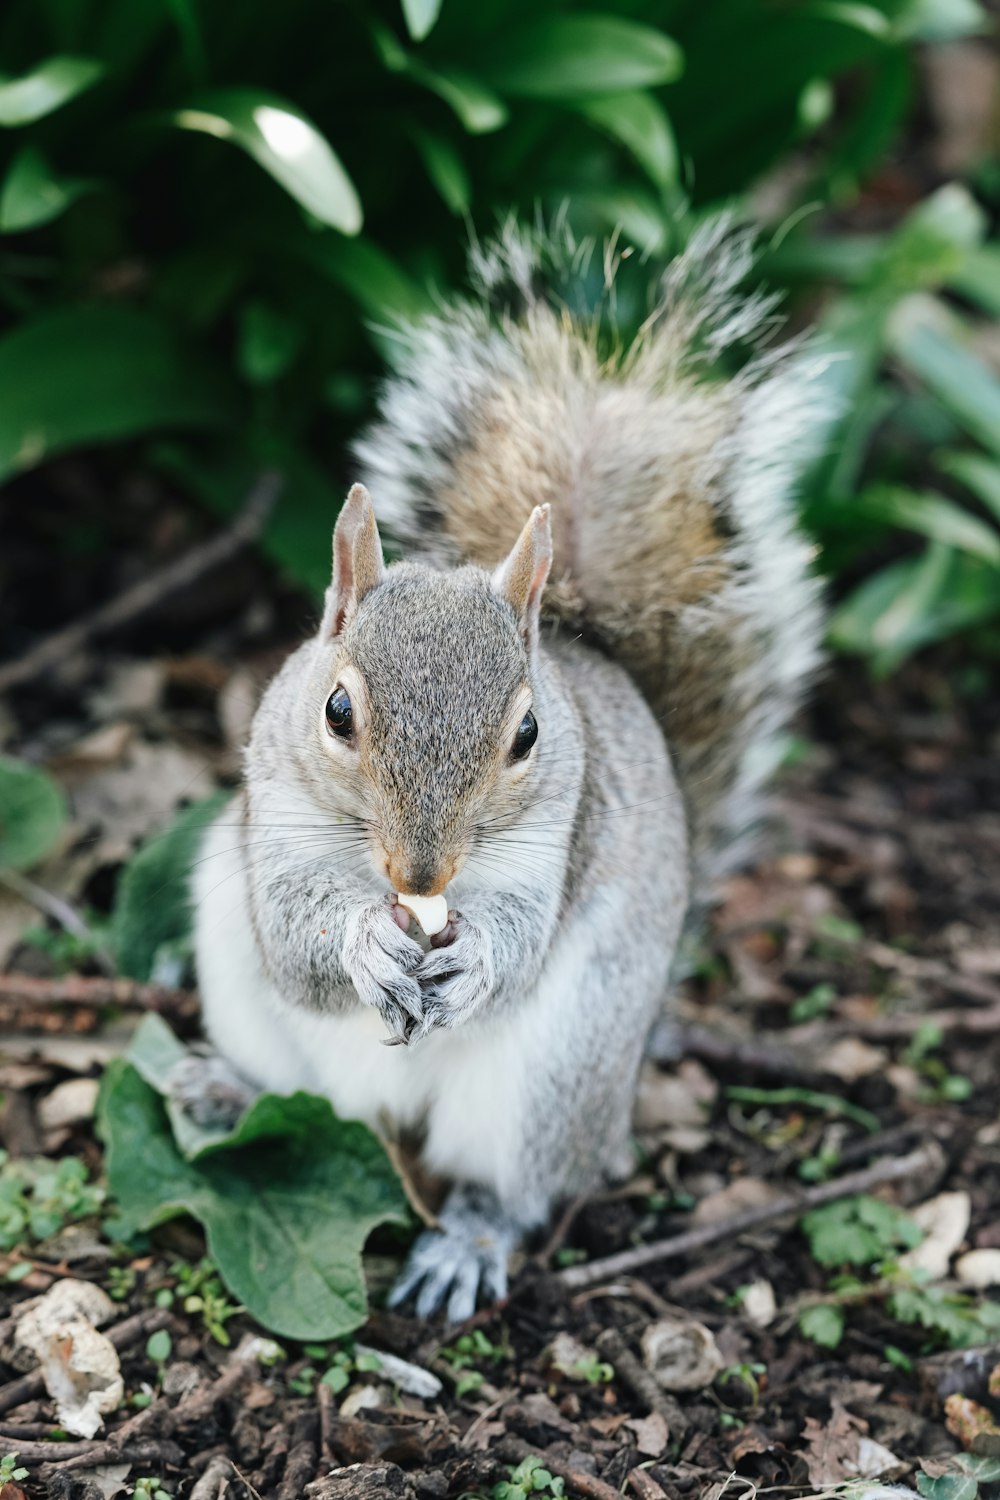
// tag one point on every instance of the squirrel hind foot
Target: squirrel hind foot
(209, 1090)
(451, 1266)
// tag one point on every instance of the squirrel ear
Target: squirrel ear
(520, 579)
(357, 561)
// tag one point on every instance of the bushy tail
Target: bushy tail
(670, 487)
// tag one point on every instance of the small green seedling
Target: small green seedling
(463, 1355)
(594, 1371)
(824, 1324)
(202, 1292)
(38, 1197)
(9, 1469)
(120, 1282)
(150, 1489)
(815, 1003)
(531, 1477)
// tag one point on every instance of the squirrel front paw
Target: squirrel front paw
(382, 963)
(456, 975)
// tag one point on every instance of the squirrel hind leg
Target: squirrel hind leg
(450, 1266)
(209, 1090)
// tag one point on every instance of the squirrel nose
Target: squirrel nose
(418, 877)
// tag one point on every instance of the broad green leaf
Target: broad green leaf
(33, 194)
(927, 341)
(286, 1200)
(634, 211)
(981, 475)
(46, 88)
(866, 18)
(420, 17)
(934, 517)
(639, 121)
(572, 56)
(446, 170)
(286, 144)
(823, 1324)
(97, 373)
(152, 903)
(32, 814)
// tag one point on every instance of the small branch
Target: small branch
(26, 991)
(513, 1450)
(918, 1163)
(151, 591)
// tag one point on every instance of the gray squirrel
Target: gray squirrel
(557, 711)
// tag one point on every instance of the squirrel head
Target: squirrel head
(425, 702)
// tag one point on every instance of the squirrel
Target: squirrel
(557, 712)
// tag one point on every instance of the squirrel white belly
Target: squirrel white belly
(555, 714)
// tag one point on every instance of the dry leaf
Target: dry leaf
(80, 1367)
(651, 1433)
(832, 1448)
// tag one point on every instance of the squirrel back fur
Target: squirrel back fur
(508, 400)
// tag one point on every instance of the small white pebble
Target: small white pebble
(979, 1268)
(431, 912)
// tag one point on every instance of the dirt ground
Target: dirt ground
(843, 1017)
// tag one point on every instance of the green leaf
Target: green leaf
(478, 108)
(911, 603)
(948, 1487)
(858, 1231)
(286, 144)
(446, 170)
(420, 17)
(932, 516)
(939, 20)
(158, 1346)
(268, 343)
(96, 373)
(572, 56)
(639, 122)
(823, 1324)
(32, 814)
(978, 277)
(926, 339)
(33, 194)
(46, 88)
(152, 904)
(286, 1200)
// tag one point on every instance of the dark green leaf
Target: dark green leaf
(33, 194)
(572, 56)
(446, 170)
(934, 517)
(95, 373)
(32, 814)
(46, 88)
(640, 123)
(287, 1200)
(420, 17)
(939, 20)
(928, 342)
(948, 1487)
(269, 343)
(286, 144)
(478, 108)
(152, 904)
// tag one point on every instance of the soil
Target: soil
(876, 907)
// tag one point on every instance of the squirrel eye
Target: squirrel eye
(339, 714)
(527, 734)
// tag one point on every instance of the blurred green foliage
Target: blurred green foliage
(210, 218)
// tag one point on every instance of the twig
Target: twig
(152, 590)
(916, 1164)
(27, 1387)
(630, 1369)
(68, 918)
(213, 1482)
(76, 989)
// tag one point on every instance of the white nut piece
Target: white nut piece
(431, 912)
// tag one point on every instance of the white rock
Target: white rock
(69, 1103)
(683, 1356)
(945, 1222)
(430, 912)
(979, 1268)
(80, 1367)
(363, 1398)
(413, 1379)
(759, 1304)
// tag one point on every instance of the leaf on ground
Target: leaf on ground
(153, 904)
(287, 1199)
(824, 1324)
(32, 813)
(831, 1452)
